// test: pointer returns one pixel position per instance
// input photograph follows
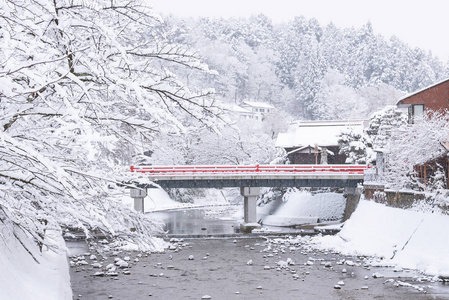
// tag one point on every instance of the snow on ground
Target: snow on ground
(404, 238)
(22, 278)
(302, 207)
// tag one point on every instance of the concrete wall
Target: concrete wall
(352, 200)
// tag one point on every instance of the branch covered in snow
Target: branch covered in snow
(416, 145)
(85, 86)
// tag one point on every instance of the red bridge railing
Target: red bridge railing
(190, 170)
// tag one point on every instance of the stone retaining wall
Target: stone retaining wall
(400, 199)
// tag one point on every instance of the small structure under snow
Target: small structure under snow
(316, 142)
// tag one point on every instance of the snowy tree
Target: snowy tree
(263, 84)
(416, 145)
(337, 101)
(356, 146)
(243, 143)
(84, 86)
(308, 76)
(383, 123)
(258, 31)
(260, 60)
(377, 97)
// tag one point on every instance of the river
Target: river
(240, 267)
(212, 220)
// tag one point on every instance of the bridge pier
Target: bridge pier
(138, 195)
(250, 195)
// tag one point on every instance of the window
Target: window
(415, 110)
(418, 110)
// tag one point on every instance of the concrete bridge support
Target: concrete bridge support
(352, 200)
(250, 195)
(138, 195)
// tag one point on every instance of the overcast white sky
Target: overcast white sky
(418, 23)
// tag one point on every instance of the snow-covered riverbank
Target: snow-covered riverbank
(404, 238)
(27, 273)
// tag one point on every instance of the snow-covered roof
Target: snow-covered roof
(235, 108)
(257, 104)
(420, 91)
(311, 133)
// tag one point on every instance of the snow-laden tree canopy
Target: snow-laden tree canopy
(415, 145)
(85, 86)
(383, 123)
(356, 146)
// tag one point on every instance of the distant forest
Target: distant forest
(310, 71)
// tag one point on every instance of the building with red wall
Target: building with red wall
(432, 98)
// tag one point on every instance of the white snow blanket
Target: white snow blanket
(409, 239)
(22, 278)
(303, 207)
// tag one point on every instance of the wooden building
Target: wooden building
(426, 172)
(316, 142)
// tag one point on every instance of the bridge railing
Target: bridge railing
(190, 170)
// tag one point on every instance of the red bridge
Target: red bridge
(249, 178)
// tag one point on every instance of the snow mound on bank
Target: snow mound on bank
(302, 207)
(22, 278)
(409, 239)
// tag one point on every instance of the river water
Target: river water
(243, 268)
(221, 267)
(195, 221)
(212, 220)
